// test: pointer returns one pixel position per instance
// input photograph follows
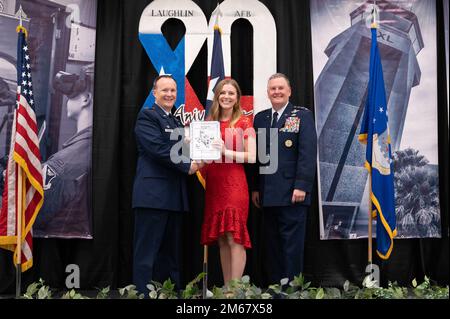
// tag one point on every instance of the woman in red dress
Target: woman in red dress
(226, 196)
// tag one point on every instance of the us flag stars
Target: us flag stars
(26, 83)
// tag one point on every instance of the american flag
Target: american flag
(23, 191)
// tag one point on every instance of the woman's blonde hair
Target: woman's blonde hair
(215, 111)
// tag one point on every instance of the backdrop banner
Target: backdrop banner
(61, 40)
(341, 51)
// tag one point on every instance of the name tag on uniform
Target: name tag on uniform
(168, 130)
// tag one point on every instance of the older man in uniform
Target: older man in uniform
(67, 173)
(285, 194)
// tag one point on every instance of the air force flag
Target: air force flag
(375, 133)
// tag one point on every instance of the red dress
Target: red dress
(226, 196)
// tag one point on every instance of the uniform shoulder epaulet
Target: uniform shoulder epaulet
(298, 107)
(263, 112)
(151, 110)
(145, 109)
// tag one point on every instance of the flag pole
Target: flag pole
(205, 270)
(19, 198)
(369, 226)
(205, 247)
(20, 16)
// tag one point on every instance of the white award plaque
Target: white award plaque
(202, 134)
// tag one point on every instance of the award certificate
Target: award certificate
(202, 134)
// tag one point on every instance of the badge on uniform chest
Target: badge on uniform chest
(288, 143)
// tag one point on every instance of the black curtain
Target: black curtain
(123, 80)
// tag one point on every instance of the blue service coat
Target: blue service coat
(297, 154)
(159, 183)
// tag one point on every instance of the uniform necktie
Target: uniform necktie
(274, 119)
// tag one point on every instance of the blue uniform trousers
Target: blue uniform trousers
(157, 247)
(284, 233)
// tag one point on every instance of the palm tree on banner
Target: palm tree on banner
(417, 195)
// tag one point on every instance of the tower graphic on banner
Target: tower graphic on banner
(340, 95)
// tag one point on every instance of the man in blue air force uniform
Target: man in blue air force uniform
(284, 193)
(67, 173)
(159, 192)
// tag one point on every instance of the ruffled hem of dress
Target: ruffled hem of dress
(222, 222)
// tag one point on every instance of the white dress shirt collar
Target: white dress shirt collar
(280, 111)
(165, 112)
